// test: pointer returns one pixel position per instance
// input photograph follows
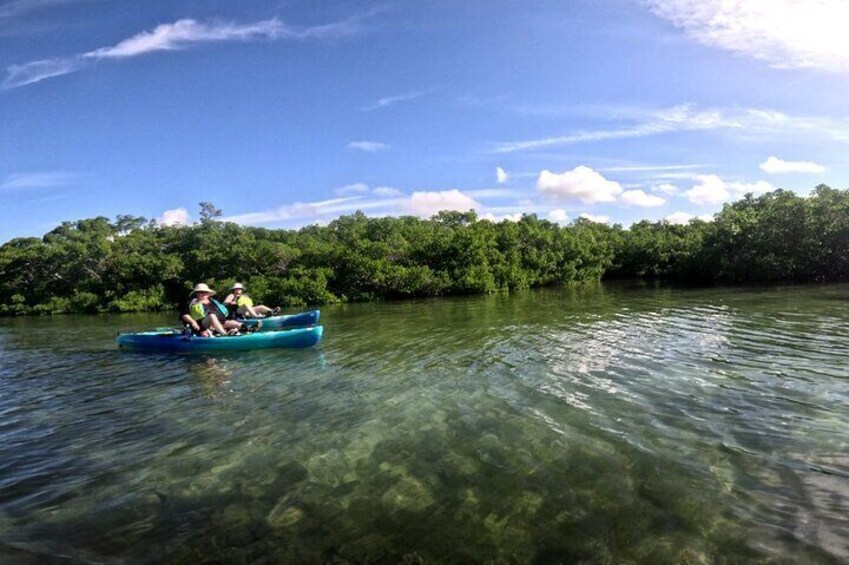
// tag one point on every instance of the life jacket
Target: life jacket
(198, 310)
(244, 300)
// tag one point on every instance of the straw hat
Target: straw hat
(201, 288)
(238, 286)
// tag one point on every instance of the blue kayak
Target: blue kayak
(175, 341)
(273, 323)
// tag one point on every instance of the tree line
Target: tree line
(134, 264)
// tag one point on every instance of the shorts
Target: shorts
(206, 322)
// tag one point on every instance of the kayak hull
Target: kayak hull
(274, 323)
(297, 338)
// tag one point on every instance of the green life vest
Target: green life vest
(245, 300)
(197, 310)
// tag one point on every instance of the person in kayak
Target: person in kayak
(240, 304)
(205, 315)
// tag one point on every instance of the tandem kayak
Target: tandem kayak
(174, 341)
(273, 323)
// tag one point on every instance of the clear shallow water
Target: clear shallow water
(599, 424)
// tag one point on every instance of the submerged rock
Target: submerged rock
(407, 494)
(284, 514)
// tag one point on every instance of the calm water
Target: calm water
(595, 425)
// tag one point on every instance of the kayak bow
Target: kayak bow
(272, 323)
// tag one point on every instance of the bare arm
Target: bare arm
(191, 321)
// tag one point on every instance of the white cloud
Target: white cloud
(170, 37)
(641, 199)
(391, 100)
(355, 188)
(581, 183)
(558, 216)
(386, 191)
(785, 34)
(35, 71)
(368, 146)
(683, 218)
(182, 33)
(666, 188)
(426, 204)
(363, 188)
(651, 168)
(177, 216)
(305, 210)
(36, 180)
(20, 7)
(500, 175)
(679, 218)
(752, 123)
(712, 190)
(505, 218)
(775, 165)
(595, 218)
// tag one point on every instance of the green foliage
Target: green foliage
(152, 298)
(134, 264)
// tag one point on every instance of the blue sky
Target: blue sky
(294, 112)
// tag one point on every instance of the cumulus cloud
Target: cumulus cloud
(426, 204)
(774, 165)
(504, 218)
(558, 216)
(712, 190)
(641, 199)
(808, 34)
(177, 216)
(581, 183)
(181, 34)
(666, 188)
(683, 218)
(595, 218)
(368, 146)
(500, 175)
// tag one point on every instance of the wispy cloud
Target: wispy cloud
(362, 188)
(305, 211)
(21, 7)
(37, 180)
(391, 100)
(179, 35)
(368, 146)
(649, 168)
(809, 34)
(747, 122)
(355, 188)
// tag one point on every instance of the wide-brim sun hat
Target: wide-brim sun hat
(237, 286)
(201, 288)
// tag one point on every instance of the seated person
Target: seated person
(204, 316)
(240, 304)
